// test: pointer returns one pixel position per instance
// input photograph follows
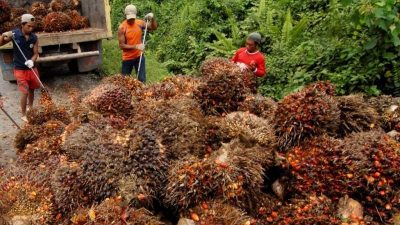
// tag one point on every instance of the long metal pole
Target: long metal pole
(141, 54)
(12, 120)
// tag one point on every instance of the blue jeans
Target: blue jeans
(128, 65)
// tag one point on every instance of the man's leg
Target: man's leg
(23, 101)
(127, 67)
(34, 83)
(31, 97)
(142, 73)
(23, 86)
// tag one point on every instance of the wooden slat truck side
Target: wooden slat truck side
(81, 49)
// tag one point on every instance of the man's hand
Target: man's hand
(29, 64)
(253, 66)
(140, 47)
(9, 35)
(242, 66)
(149, 17)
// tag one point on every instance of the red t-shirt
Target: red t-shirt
(242, 56)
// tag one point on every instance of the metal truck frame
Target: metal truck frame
(81, 49)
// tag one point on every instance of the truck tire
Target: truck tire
(73, 66)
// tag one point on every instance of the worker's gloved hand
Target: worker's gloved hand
(140, 47)
(242, 66)
(29, 64)
(149, 16)
(9, 35)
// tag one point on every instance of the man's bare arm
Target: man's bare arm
(122, 40)
(35, 51)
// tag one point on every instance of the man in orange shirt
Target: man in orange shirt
(130, 37)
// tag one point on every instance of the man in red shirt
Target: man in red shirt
(250, 58)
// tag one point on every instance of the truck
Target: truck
(80, 49)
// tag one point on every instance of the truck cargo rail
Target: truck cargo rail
(67, 56)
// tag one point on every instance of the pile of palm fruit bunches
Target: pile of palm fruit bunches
(57, 16)
(206, 150)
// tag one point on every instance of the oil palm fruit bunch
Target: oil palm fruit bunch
(57, 22)
(238, 172)
(265, 206)
(217, 212)
(178, 86)
(39, 159)
(39, 9)
(39, 21)
(234, 173)
(6, 26)
(77, 140)
(214, 134)
(259, 105)
(74, 4)
(144, 112)
(214, 66)
(181, 131)
(325, 87)
(305, 211)
(68, 188)
(374, 159)
(223, 91)
(58, 5)
(382, 102)
(250, 81)
(110, 99)
(17, 13)
(31, 133)
(391, 118)
(103, 165)
(170, 87)
(137, 191)
(113, 211)
(78, 21)
(249, 128)
(131, 84)
(306, 113)
(149, 163)
(23, 194)
(316, 168)
(5, 11)
(27, 135)
(42, 114)
(356, 115)
(190, 181)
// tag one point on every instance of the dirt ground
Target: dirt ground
(56, 79)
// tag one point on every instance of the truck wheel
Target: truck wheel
(73, 66)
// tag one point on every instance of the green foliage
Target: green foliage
(353, 43)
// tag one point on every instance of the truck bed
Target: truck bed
(85, 35)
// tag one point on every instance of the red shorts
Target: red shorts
(26, 80)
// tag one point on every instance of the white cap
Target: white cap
(26, 18)
(130, 12)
